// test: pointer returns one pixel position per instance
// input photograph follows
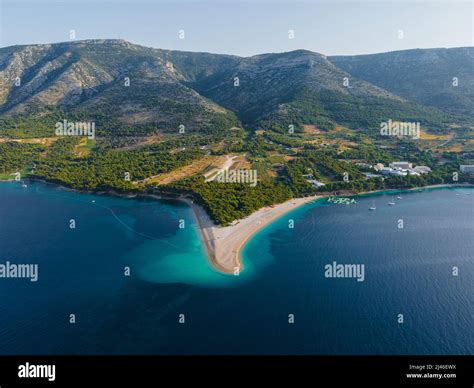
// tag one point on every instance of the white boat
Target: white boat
(373, 206)
(391, 203)
(399, 197)
(24, 185)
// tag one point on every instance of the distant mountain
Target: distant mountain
(303, 87)
(426, 76)
(210, 93)
(123, 87)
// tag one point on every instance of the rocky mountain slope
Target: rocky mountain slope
(131, 89)
(122, 87)
(441, 78)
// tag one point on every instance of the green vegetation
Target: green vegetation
(227, 202)
(17, 156)
(110, 169)
(369, 153)
(36, 122)
(137, 125)
(287, 140)
(327, 108)
(106, 168)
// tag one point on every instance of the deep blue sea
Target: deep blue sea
(408, 271)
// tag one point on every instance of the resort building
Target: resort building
(402, 165)
(400, 173)
(392, 171)
(315, 183)
(310, 179)
(422, 169)
(369, 175)
(400, 169)
(386, 170)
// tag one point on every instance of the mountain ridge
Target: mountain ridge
(127, 42)
(206, 92)
(442, 78)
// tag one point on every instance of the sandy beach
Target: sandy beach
(224, 244)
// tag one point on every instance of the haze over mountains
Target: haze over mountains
(426, 76)
(210, 93)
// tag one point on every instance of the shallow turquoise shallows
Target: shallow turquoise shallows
(416, 296)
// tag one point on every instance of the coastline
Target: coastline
(223, 244)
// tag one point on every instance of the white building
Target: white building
(310, 179)
(386, 170)
(400, 173)
(316, 183)
(402, 165)
(392, 171)
(369, 175)
(422, 169)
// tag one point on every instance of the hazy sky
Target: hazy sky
(245, 27)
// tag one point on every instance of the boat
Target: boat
(373, 206)
(399, 197)
(391, 203)
(23, 184)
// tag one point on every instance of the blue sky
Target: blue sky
(245, 27)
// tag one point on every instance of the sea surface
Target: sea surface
(134, 275)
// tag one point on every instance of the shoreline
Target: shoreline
(224, 244)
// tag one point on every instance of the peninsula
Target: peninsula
(223, 244)
(240, 136)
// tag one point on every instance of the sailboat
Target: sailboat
(399, 197)
(373, 206)
(23, 184)
(391, 203)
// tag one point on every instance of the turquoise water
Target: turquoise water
(81, 271)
